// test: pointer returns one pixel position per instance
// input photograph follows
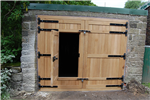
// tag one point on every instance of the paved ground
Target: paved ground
(97, 95)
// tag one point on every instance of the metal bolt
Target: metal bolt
(84, 32)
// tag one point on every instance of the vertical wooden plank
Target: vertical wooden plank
(81, 45)
(52, 55)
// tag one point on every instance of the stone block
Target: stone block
(29, 18)
(135, 59)
(28, 70)
(26, 25)
(32, 34)
(17, 77)
(141, 43)
(16, 69)
(133, 31)
(133, 24)
(29, 79)
(28, 59)
(28, 52)
(143, 19)
(142, 31)
(142, 37)
(28, 87)
(27, 65)
(24, 33)
(139, 49)
(16, 85)
(142, 26)
(33, 25)
(25, 39)
(28, 39)
(137, 77)
(28, 76)
(133, 70)
(130, 37)
(26, 46)
(136, 64)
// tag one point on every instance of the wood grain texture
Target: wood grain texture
(94, 48)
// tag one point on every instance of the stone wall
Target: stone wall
(16, 78)
(135, 44)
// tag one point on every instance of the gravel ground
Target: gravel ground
(77, 95)
(133, 91)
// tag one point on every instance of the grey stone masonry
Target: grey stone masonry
(16, 78)
(135, 44)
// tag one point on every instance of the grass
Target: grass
(146, 84)
(16, 64)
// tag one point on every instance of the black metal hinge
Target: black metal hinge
(121, 78)
(84, 31)
(41, 86)
(82, 79)
(114, 24)
(47, 21)
(54, 58)
(123, 56)
(39, 78)
(46, 29)
(115, 85)
(119, 32)
(43, 54)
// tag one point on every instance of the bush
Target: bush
(5, 86)
(10, 49)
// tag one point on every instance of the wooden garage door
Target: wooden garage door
(98, 50)
(101, 42)
(48, 26)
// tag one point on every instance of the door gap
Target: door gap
(68, 54)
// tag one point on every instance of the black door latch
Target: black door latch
(54, 58)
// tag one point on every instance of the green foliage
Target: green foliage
(11, 19)
(87, 3)
(11, 15)
(5, 78)
(146, 84)
(132, 4)
(11, 48)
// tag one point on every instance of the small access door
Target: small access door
(54, 57)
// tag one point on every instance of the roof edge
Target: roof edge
(59, 7)
(145, 6)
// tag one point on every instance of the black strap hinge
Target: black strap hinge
(115, 85)
(119, 32)
(123, 56)
(84, 31)
(115, 78)
(54, 58)
(39, 78)
(47, 21)
(41, 86)
(43, 54)
(114, 24)
(39, 29)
